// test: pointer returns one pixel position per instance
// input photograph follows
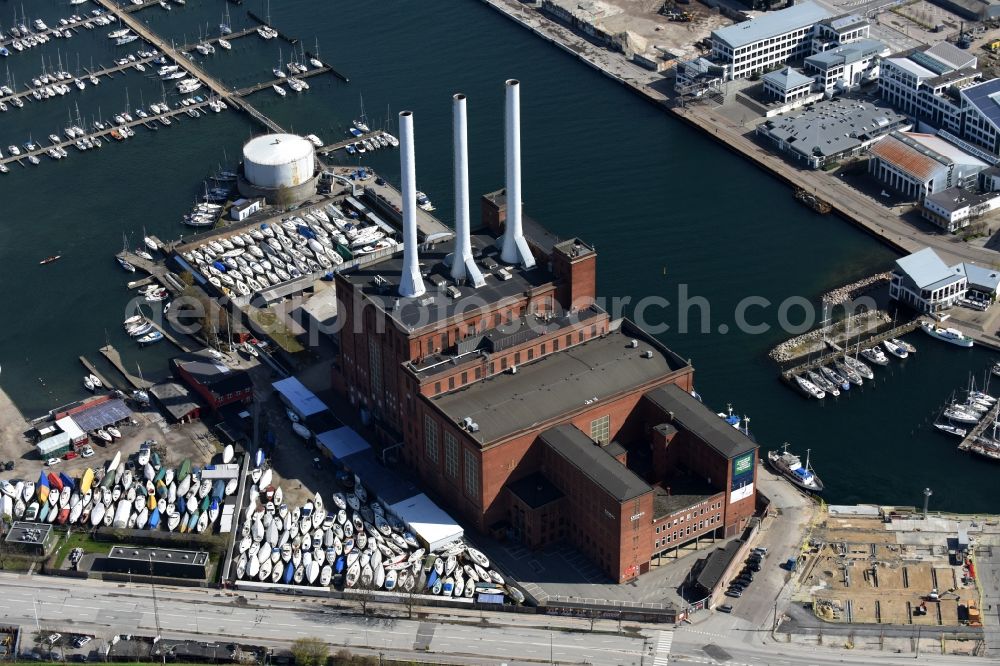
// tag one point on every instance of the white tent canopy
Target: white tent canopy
(300, 399)
(427, 521)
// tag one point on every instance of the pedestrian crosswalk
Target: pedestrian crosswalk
(662, 655)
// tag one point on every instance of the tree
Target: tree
(310, 652)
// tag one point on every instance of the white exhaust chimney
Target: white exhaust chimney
(411, 284)
(463, 266)
(515, 247)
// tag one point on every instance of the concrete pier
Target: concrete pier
(92, 369)
(115, 359)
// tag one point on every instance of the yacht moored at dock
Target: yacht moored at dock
(950, 335)
(790, 466)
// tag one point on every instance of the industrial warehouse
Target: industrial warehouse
(521, 403)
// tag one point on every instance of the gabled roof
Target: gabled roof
(925, 268)
(595, 463)
(771, 24)
(691, 416)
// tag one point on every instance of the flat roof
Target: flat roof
(378, 282)
(429, 522)
(679, 492)
(846, 53)
(28, 533)
(535, 490)
(771, 24)
(559, 383)
(381, 481)
(342, 442)
(595, 463)
(981, 276)
(174, 556)
(694, 417)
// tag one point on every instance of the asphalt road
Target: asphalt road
(106, 609)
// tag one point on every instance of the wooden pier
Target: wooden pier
(872, 341)
(115, 359)
(215, 40)
(74, 28)
(969, 441)
(93, 370)
(104, 134)
(249, 90)
(106, 71)
(169, 337)
(340, 145)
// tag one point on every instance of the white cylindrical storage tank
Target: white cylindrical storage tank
(274, 161)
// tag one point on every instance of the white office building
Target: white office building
(771, 39)
(923, 83)
(925, 283)
(845, 67)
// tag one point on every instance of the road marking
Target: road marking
(662, 655)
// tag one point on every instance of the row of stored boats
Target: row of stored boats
(132, 494)
(355, 543)
(271, 254)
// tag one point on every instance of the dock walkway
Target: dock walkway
(106, 71)
(969, 441)
(876, 339)
(115, 359)
(249, 90)
(104, 134)
(215, 40)
(92, 369)
(75, 28)
(340, 145)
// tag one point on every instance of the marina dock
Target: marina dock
(115, 359)
(103, 134)
(340, 145)
(825, 359)
(215, 40)
(92, 369)
(969, 441)
(98, 73)
(249, 90)
(74, 28)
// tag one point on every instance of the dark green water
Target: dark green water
(664, 206)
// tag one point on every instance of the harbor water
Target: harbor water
(671, 214)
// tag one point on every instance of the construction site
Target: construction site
(880, 566)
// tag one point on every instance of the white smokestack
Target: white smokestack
(463, 266)
(515, 248)
(411, 284)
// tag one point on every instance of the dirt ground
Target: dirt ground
(858, 572)
(177, 442)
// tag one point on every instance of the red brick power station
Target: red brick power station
(522, 405)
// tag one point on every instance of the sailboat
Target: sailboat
(225, 27)
(122, 261)
(362, 123)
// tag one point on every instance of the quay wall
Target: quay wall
(847, 202)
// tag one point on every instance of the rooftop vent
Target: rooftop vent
(633, 343)
(453, 292)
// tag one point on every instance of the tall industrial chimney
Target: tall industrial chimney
(411, 284)
(515, 247)
(463, 266)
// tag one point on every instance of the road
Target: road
(104, 609)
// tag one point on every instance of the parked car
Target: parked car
(735, 594)
(51, 462)
(87, 452)
(724, 608)
(753, 567)
(760, 550)
(737, 585)
(70, 455)
(53, 638)
(80, 641)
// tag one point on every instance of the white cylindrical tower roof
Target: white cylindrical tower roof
(278, 160)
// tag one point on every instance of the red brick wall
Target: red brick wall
(683, 525)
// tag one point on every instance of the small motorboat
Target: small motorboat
(894, 348)
(49, 260)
